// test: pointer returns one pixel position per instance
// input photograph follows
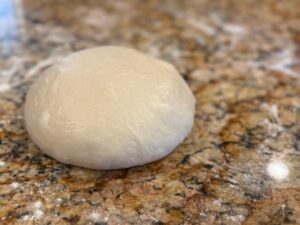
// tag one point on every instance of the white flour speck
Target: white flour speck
(37, 204)
(38, 214)
(235, 29)
(99, 18)
(280, 61)
(237, 219)
(14, 185)
(4, 87)
(272, 109)
(202, 26)
(25, 218)
(58, 200)
(94, 216)
(2, 164)
(217, 202)
(273, 128)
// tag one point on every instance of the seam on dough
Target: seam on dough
(139, 141)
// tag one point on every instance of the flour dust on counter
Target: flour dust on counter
(240, 163)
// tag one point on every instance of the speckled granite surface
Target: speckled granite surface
(239, 165)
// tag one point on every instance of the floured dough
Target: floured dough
(109, 108)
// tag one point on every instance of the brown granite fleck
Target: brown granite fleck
(239, 165)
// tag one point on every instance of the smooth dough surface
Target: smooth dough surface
(109, 108)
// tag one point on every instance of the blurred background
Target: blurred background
(194, 35)
(240, 164)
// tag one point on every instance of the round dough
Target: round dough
(109, 108)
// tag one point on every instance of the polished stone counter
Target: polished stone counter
(239, 165)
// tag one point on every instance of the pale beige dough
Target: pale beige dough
(109, 108)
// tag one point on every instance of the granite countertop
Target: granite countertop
(239, 165)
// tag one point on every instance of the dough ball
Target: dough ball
(109, 108)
